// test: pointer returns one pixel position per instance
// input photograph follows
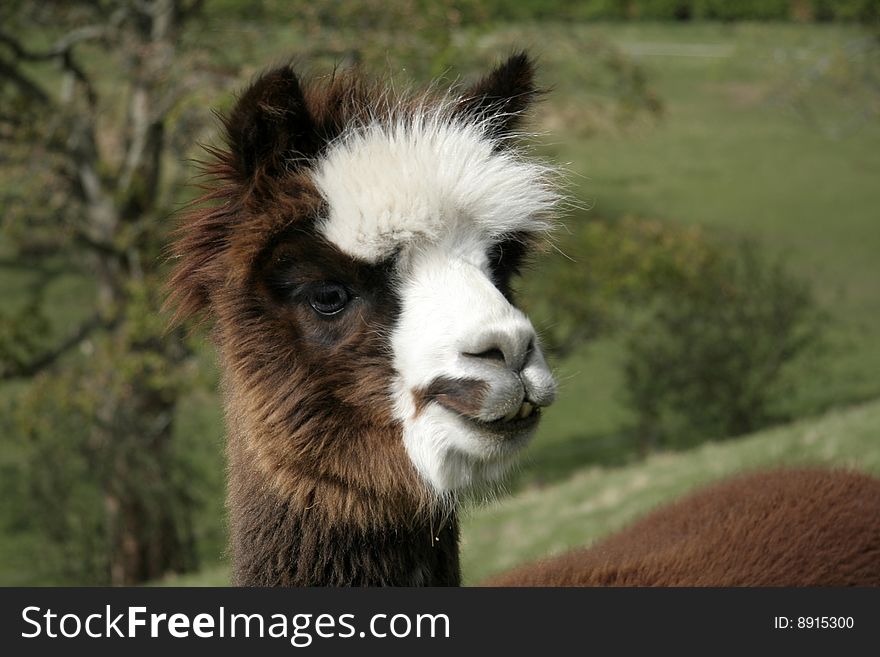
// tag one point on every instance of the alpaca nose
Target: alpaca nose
(508, 347)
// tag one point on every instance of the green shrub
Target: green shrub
(608, 268)
(846, 10)
(710, 360)
(372, 13)
(666, 10)
(756, 10)
(709, 332)
(101, 477)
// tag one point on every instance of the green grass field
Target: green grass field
(745, 148)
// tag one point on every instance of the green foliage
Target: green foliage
(610, 267)
(846, 10)
(53, 488)
(676, 10)
(708, 359)
(99, 471)
(755, 10)
(503, 10)
(22, 336)
(593, 9)
(709, 332)
(102, 479)
(412, 37)
(663, 9)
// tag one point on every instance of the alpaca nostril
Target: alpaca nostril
(493, 353)
(507, 345)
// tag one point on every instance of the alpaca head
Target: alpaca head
(357, 261)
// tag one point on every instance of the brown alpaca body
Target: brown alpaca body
(778, 528)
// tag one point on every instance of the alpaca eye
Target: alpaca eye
(328, 298)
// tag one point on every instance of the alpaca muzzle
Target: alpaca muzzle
(473, 378)
(507, 359)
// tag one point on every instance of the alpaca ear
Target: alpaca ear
(270, 127)
(267, 131)
(502, 96)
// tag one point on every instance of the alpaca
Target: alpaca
(804, 527)
(355, 253)
(356, 256)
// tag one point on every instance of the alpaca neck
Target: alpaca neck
(290, 539)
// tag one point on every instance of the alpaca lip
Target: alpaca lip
(522, 419)
(512, 432)
(514, 425)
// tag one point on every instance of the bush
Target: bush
(709, 333)
(710, 360)
(664, 9)
(757, 10)
(609, 268)
(846, 10)
(101, 478)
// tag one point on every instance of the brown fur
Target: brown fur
(298, 540)
(502, 97)
(780, 528)
(464, 396)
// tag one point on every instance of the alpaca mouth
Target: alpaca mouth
(525, 411)
(513, 425)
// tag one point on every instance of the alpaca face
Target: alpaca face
(359, 269)
(454, 215)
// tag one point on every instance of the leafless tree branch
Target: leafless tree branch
(27, 86)
(50, 356)
(63, 46)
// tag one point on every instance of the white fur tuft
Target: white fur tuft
(420, 177)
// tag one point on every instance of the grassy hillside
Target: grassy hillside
(596, 501)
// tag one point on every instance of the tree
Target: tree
(90, 112)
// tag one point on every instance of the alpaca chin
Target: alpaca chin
(452, 454)
(467, 427)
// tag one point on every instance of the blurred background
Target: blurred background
(712, 305)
